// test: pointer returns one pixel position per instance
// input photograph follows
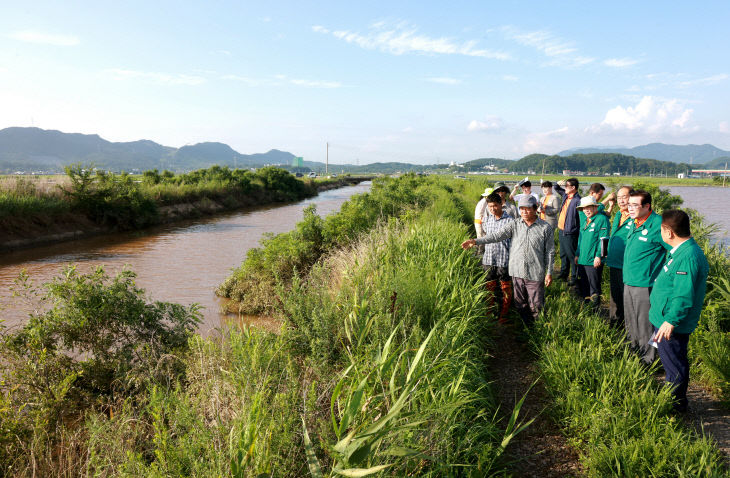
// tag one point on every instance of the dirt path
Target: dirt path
(541, 450)
(708, 414)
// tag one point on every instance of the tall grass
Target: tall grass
(378, 370)
(609, 404)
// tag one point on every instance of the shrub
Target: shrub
(99, 341)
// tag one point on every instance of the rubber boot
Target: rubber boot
(492, 288)
(506, 301)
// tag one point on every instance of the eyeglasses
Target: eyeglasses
(634, 206)
(622, 197)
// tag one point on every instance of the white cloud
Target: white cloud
(444, 80)
(154, 77)
(403, 39)
(320, 29)
(547, 140)
(33, 36)
(407, 129)
(707, 81)
(492, 123)
(510, 78)
(316, 83)
(620, 62)
(723, 127)
(650, 115)
(279, 80)
(242, 79)
(561, 52)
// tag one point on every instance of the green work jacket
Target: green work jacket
(679, 290)
(617, 243)
(582, 216)
(645, 251)
(589, 240)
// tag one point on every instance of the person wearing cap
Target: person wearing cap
(589, 255)
(531, 257)
(549, 205)
(503, 191)
(615, 259)
(495, 260)
(645, 251)
(568, 228)
(526, 187)
(676, 301)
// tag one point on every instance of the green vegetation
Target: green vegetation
(22, 197)
(610, 406)
(122, 201)
(381, 366)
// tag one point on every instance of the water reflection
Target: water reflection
(181, 263)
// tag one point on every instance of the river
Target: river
(183, 262)
(712, 202)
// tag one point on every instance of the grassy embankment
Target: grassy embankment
(381, 364)
(380, 367)
(121, 201)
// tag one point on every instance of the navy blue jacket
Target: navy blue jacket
(572, 222)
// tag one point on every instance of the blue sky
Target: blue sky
(417, 82)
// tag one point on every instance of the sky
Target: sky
(419, 82)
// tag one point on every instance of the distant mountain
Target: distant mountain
(35, 149)
(718, 163)
(690, 153)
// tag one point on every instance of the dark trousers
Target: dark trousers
(616, 306)
(673, 354)
(589, 280)
(636, 319)
(529, 298)
(568, 245)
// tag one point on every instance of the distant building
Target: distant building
(568, 172)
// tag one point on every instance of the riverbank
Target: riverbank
(28, 230)
(384, 365)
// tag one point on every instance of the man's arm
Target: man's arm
(504, 232)
(686, 279)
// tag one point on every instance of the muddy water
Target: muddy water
(712, 202)
(181, 263)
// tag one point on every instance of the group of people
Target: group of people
(656, 299)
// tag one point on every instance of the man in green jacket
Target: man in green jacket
(676, 301)
(615, 259)
(645, 251)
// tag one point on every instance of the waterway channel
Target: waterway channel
(183, 262)
(712, 202)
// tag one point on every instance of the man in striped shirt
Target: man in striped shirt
(496, 257)
(531, 257)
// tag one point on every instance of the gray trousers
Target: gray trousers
(529, 298)
(616, 306)
(636, 317)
